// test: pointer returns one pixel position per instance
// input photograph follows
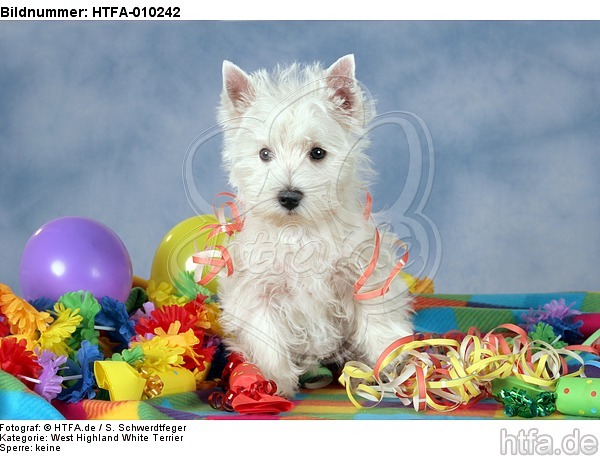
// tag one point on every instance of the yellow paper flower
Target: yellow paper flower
(163, 294)
(55, 337)
(185, 340)
(175, 339)
(22, 316)
(158, 354)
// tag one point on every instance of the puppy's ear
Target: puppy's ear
(342, 83)
(237, 89)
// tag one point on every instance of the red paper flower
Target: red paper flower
(202, 354)
(17, 360)
(191, 316)
(198, 307)
(164, 318)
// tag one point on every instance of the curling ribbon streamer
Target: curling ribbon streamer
(362, 280)
(443, 373)
(225, 226)
(218, 258)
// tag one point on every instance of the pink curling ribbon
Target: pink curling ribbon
(216, 263)
(225, 226)
(362, 280)
(368, 206)
(218, 258)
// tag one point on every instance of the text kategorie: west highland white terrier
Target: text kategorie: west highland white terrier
(294, 149)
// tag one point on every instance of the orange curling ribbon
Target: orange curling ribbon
(368, 206)
(443, 373)
(229, 227)
(362, 280)
(217, 259)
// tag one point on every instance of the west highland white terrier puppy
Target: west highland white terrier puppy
(294, 149)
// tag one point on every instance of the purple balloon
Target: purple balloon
(72, 254)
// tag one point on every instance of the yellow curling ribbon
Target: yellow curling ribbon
(443, 373)
(154, 386)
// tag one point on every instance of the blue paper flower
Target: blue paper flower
(82, 368)
(114, 315)
(42, 304)
(566, 329)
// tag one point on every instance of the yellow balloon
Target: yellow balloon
(174, 254)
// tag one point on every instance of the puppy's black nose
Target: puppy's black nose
(290, 199)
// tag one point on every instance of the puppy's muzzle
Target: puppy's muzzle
(290, 199)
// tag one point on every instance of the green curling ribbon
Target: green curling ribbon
(518, 403)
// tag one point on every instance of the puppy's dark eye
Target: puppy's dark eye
(317, 153)
(265, 155)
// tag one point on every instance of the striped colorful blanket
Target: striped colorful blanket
(435, 313)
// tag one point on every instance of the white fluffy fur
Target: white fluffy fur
(289, 303)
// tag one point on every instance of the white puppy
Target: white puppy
(294, 144)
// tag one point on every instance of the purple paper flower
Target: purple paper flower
(49, 385)
(553, 311)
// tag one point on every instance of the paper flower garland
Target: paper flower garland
(53, 347)
(88, 308)
(544, 332)
(114, 319)
(179, 326)
(49, 383)
(55, 337)
(17, 360)
(79, 373)
(558, 315)
(163, 294)
(21, 316)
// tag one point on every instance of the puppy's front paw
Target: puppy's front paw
(287, 385)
